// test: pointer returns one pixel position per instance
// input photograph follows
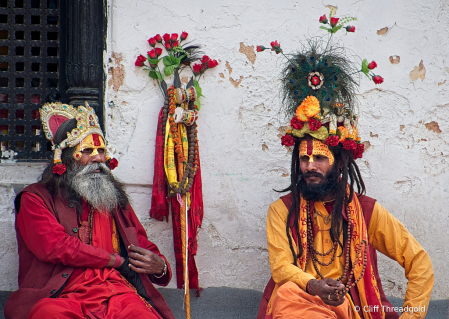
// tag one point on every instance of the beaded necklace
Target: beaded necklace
(191, 162)
(343, 278)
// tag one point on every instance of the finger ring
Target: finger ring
(329, 297)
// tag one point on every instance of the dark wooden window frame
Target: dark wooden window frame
(71, 72)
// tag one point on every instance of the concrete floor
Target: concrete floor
(232, 303)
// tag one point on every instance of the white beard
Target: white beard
(97, 189)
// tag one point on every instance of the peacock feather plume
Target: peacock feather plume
(319, 70)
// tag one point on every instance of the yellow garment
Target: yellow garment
(386, 234)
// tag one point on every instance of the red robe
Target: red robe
(54, 263)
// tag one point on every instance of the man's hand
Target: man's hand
(329, 290)
(145, 261)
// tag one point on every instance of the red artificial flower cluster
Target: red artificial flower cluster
(358, 151)
(112, 163)
(171, 41)
(314, 124)
(296, 124)
(206, 63)
(323, 19)
(333, 23)
(378, 79)
(59, 169)
(332, 140)
(140, 60)
(275, 46)
(287, 140)
(155, 53)
(349, 144)
(350, 28)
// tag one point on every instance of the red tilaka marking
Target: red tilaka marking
(96, 139)
(309, 147)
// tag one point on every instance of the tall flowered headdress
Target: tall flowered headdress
(54, 114)
(319, 87)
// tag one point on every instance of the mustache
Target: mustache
(313, 174)
(89, 169)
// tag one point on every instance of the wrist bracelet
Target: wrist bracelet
(308, 286)
(163, 272)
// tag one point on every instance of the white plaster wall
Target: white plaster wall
(405, 167)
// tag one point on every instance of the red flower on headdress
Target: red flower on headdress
(287, 140)
(334, 21)
(314, 124)
(184, 35)
(112, 163)
(260, 48)
(358, 151)
(378, 79)
(140, 60)
(323, 19)
(349, 144)
(59, 169)
(350, 28)
(152, 42)
(275, 46)
(296, 124)
(166, 37)
(332, 140)
(372, 65)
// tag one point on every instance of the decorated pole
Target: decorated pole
(177, 187)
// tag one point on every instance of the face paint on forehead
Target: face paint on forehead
(93, 141)
(311, 147)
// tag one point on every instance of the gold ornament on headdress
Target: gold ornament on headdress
(54, 114)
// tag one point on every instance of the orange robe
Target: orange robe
(97, 292)
(386, 234)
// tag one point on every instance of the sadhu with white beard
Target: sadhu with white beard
(82, 251)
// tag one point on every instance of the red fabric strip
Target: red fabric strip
(159, 202)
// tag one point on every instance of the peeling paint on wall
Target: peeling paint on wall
(433, 126)
(395, 59)
(116, 72)
(382, 31)
(419, 72)
(236, 83)
(248, 51)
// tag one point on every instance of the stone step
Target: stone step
(233, 303)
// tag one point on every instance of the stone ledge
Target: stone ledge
(233, 303)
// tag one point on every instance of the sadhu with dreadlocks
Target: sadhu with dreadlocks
(323, 235)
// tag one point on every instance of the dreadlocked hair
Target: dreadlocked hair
(350, 177)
